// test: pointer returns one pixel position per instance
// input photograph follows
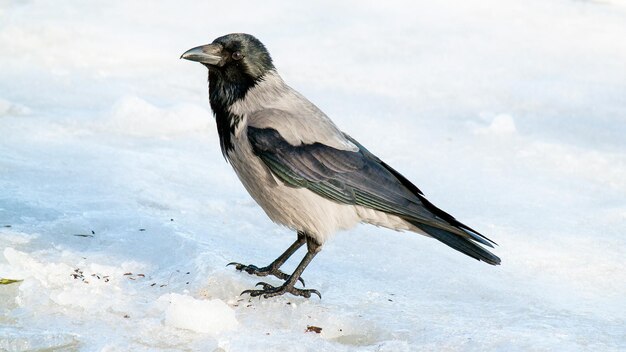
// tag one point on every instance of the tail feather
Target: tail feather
(463, 238)
(438, 212)
(460, 243)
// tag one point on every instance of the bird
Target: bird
(303, 171)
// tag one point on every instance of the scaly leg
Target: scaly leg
(289, 286)
(274, 267)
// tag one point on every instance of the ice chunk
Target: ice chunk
(24, 339)
(206, 316)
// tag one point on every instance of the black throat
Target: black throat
(224, 91)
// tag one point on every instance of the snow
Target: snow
(206, 316)
(119, 213)
(502, 124)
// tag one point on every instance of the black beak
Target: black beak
(209, 54)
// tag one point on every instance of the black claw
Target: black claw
(250, 292)
(265, 285)
(238, 266)
(316, 292)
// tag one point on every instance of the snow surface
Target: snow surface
(511, 115)
(208, 316)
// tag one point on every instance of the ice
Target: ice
(206, 316)
(119, 213)
(24, 340)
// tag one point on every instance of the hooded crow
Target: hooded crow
(303, 171)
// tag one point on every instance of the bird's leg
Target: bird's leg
(274, 267)
(289, 286)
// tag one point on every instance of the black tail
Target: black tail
(460, 243)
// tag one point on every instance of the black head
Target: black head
(234, 57)
(236, 63)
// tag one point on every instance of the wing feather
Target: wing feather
(359, 178)
(343, 176)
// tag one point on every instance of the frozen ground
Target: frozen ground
(511, 115)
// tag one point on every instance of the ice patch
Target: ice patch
(87, 288)
(27, 266)
(205, 316)
(12, 237)
(12, 339)
(502, 124)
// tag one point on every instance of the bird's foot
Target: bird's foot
(264, 271)
(271, 291)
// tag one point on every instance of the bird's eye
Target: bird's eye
(237, 55)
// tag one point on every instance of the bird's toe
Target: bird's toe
(268, 291)
(264, 271)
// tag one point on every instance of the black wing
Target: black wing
(360, 178)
